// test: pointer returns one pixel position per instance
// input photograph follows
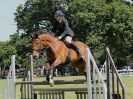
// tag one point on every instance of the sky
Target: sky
(7, 24)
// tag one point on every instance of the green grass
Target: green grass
(2, 84)
(127, 81)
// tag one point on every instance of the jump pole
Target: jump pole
(88, 73)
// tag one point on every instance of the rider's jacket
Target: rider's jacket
(62, 28)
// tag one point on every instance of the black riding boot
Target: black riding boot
(73, 46)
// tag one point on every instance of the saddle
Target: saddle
(75, 48)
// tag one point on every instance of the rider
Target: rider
(63, 32)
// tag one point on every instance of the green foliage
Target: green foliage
(23, 48)
(6, 50)
(100, 25)
(95, 22)
(34, 15)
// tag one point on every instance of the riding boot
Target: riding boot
(74, 47)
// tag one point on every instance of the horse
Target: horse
(57, 53)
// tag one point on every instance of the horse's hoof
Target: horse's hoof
(52, 84)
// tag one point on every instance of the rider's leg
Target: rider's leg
(68, 41)
(73, 46)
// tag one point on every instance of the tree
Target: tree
(22, 45)
(94, 22)
(100, 25)
(6, 50)
(35, 15)
(38, 14)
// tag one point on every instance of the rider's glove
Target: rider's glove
(60, 37)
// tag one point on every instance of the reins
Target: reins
(45, 49)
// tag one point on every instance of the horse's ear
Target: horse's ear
(33, 35)
(36, 36)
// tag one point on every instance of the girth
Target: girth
(68, 57)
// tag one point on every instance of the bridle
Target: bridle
(45, 49)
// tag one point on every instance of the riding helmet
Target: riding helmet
(59, 13)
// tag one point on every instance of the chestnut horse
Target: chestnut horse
(57, 53)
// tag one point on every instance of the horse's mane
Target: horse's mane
(44, 31)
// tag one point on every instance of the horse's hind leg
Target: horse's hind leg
(81, 67)
(47, 75)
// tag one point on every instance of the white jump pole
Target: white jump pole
(88, 71)
(13, 76)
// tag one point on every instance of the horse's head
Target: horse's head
(36, 46)
(41, 42)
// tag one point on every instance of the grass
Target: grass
(127, 81)
(2, 84)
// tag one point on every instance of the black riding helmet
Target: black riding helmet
(59, 13)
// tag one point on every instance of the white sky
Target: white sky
(7, 24)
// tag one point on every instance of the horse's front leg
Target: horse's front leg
(50, 75)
